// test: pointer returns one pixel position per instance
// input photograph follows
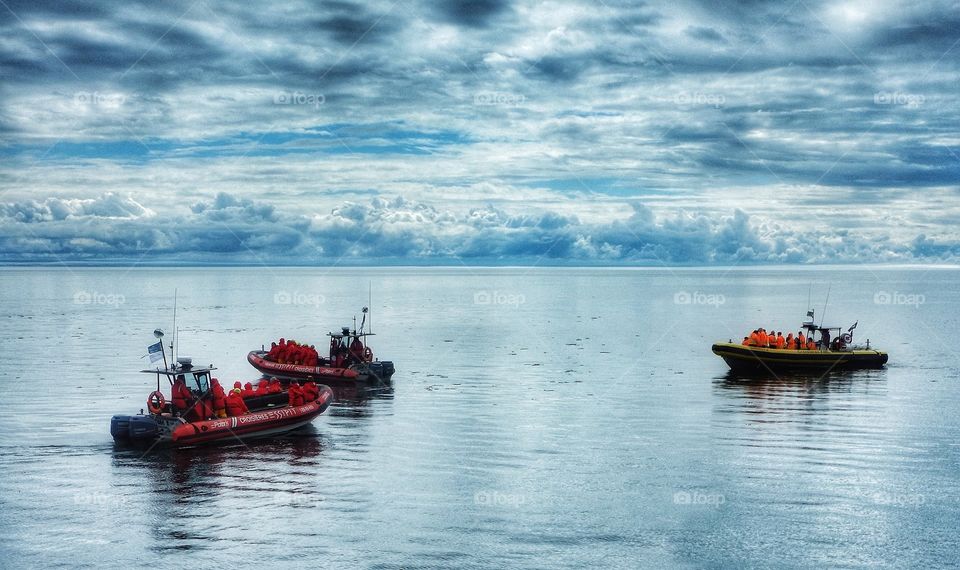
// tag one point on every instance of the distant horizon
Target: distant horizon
(456, 265)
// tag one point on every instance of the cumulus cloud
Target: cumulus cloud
(231, 229)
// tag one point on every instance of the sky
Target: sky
(480, 132)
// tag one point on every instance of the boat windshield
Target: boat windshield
(197, 381)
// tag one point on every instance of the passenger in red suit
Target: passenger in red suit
(237, 386)
(219, 399)
(310, 391)
(180, 394)
(247, 391)
(263, 387)
(272, 353)
(275, 386)
(356, 349)
(235, 404)
(294, 394)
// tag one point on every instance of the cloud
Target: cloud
(237, 230)
(549, 121)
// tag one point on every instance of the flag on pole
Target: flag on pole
(155, 352)
(810, 314)
(853, 327)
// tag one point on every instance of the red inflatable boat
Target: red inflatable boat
(350, 359)
(193, 423)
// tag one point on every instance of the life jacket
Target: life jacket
(235, 405)
(219, 397)
(294, 395)
(811, 345)
(754, 338)
(180, 395)
(781, 342)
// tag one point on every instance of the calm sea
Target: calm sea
(549, 418)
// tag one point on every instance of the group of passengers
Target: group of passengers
(217, 403)
(762, 339)
(292, 352)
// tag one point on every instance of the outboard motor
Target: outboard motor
(143, 427)
(120, 427)
(133, 427)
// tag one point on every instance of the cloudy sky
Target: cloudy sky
(482, 131)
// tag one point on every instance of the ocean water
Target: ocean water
(560, 418)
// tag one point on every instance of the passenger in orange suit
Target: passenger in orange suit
(294, 394)
(811, 345)
(219, 399)
(781, 342)
(755, 338)
(801, 341)
(789, 340)
(180, 394)
(235, 403)
(746, 341)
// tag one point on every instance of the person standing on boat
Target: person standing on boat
(180, 394)
(219, 399)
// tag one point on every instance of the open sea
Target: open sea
(538, 418)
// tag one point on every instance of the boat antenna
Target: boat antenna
(824, 313)
(809, 293)
(173, 352)
(370, 304)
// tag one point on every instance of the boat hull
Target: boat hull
(380, 371)
(754, 359)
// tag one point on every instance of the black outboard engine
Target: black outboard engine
(133, 427)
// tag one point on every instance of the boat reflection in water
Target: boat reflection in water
(800, 392)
